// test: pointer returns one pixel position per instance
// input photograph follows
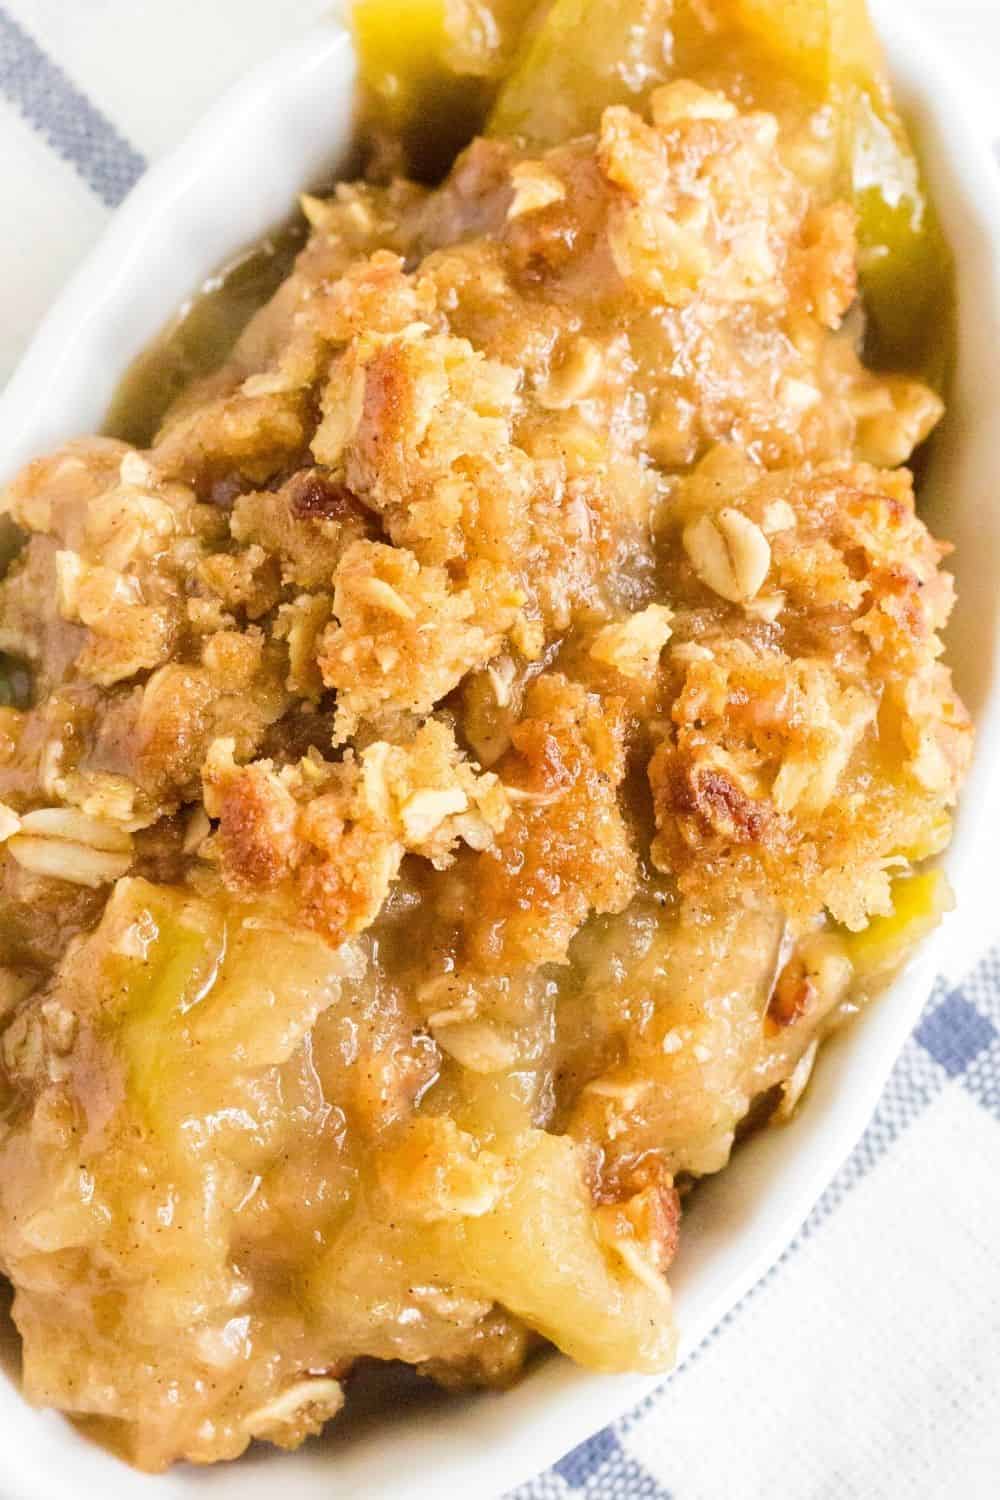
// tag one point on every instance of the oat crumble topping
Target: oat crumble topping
(462, 747)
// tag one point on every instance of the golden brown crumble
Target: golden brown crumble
(460, 749)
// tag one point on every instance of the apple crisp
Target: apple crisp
(473, 757)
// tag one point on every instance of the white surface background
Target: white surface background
(870, 1366)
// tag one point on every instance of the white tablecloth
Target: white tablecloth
(867, 1364)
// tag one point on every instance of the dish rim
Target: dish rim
(567, 1403)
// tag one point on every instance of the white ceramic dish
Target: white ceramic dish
(229, 182)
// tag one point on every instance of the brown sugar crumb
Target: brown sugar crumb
(403, 636)
(342, 828)
(770, 759)
(566, 850)
(314, 494)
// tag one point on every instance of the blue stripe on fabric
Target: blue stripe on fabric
(955, 1033)
(580, 1465)
(628, 1479)
(600, 1469)
(982, 1079)
(74, 127)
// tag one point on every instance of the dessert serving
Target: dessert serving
(460, 766)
